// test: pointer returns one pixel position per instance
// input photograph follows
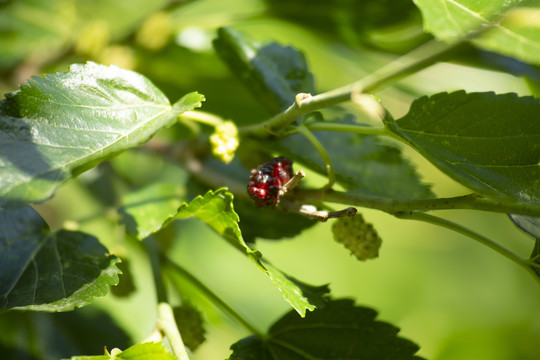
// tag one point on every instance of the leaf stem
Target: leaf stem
(419, 58)
(202, 117)
(167, 324)
(349, 128)
(435, 220)
(302, 129)
(212, 296)
(391, 206)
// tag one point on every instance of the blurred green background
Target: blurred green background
(452, 296)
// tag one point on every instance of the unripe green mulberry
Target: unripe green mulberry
(357, 236)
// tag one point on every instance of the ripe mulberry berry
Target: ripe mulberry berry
(265, 182)
(357, 236)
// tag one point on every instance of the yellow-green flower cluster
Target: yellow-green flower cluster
(225, 141)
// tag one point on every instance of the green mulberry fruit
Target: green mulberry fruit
(357, 236)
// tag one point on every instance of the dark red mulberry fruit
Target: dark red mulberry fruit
(267, 180)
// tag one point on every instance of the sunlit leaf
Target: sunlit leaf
(64, 123)
(45, 271)
(340, 330)
(216, 209)
(311, 297)
(500, 25)
(145, 211)
(141, 351)
(489, 143)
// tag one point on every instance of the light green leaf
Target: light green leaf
(60, 125)
(340, 330)
(500, 25)
(142, 351)
(145, 211)
(46, 271)
(272, 72)
(455, 19)
(215, 208)
(489, 143)
(313, 296)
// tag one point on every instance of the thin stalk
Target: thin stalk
(471, 202)
(202, 117)
(419, 58)
(209, 294)
(322, 152)
(355, 129)
(167, 324)
(435, 220)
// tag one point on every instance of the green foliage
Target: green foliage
(354, 22)
(144, 211)
(215, 208)
(60, 125)
(45, 271)
(44, 29)
(340, 330)
(65, 124)
(190, 323)
(503, 26)
(143, 351)
(370, 168)
(489, 143)
(274, 73)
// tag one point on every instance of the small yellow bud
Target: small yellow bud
(225, 141)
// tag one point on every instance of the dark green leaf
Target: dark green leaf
(535, 257)
(340, 330)
(489, 143)
(126, 285)
(272, 72)
(141, 351)
(528, 224)
(58, 335)
(361, 164)
(284, 225)
(60, 125)
(501, 25)
(145, 211)
(47, 271)
(215, 208)
(190, 324)
(351, 21)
